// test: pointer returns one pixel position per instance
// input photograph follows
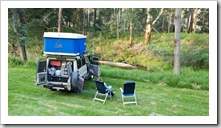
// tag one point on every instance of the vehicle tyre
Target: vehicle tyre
(69, 85)
(74, 80)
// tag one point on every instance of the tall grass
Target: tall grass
(189, 78)
(14, 61)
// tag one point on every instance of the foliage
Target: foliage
(159, 53)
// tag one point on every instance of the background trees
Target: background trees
(18, 24)
(110, 23)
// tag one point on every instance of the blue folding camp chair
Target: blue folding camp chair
(128, 92)
(102, 91)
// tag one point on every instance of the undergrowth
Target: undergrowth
(194, 50)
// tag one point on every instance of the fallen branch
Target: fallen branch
(117, 64)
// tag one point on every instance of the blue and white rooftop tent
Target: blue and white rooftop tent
(60, 43)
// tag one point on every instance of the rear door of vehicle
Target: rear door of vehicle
(94, 67)
(41, 72)
(83, 67)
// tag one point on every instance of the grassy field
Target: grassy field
(26, 99)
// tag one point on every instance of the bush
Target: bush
(14, 61)
(17, 62)
(172, 80)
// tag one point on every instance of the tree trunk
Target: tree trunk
(117, 20)
(195, 19)
(77, 22)
(23, 51)
(188, 18)
(177, 43)
(169, 21)
(189, 21)
(181, 17)
(203, 20)
(83, 22)
(117, 64)
(163, 24)
(18, 23)
(148, 33)
(131, 33)
(59, 19)
(88, 18)
(124, 25)
(95, 12)
(149, 25)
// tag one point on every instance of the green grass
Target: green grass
(189, 78)
(26, 99)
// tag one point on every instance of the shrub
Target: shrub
(14, 61)
(172, 80)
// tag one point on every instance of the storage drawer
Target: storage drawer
(57, 79)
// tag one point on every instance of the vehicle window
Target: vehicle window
(79, 63)
(83, 61)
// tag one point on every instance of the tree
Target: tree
(117, 20)
(149, 24)
(171, 12)
(131, 33)
(189, 21)
(95, 12)
(195, 19)
(203, 21)
(131, 29)
(18, 19)
(59, 19)
(176, 69)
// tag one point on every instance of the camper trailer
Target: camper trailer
(68, 64)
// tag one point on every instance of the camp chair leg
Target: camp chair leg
(102, 100)
(135, 99)
(123, 99)
(95, 95)
(105, 98)
(109, 93)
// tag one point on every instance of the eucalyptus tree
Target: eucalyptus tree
(203, 21)
(19, 27)
(176, 68)
(195, 17)
(59, 19)
(150, 23)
